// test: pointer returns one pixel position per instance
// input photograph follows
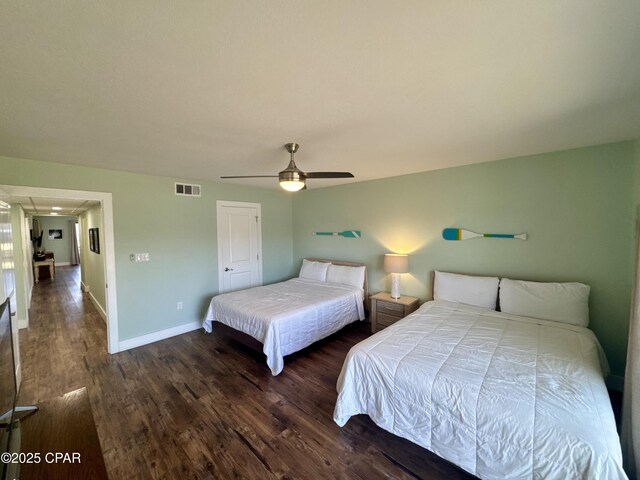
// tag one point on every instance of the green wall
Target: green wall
(93, 275)
(61, 248)
(575, 205)
(179, 233)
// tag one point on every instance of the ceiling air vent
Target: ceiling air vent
(185, 189)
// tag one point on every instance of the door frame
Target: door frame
(227, 203)
(106, 203)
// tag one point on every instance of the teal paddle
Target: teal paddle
(346, 233)
(461, 234)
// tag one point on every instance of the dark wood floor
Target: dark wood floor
(200, 406)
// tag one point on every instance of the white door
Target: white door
(239, 245)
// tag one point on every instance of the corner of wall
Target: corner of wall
(636, 171)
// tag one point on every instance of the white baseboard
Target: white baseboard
(157, 336)
(19, 375)
(85, 288)
(62, 264)
(615, 382)
(23, 323)
(99, 308)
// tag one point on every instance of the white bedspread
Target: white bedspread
(499, 395)
(287, 316)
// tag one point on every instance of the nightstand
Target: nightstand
(386, 311)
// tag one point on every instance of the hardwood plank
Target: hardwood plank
(203, 406)
(62, 425)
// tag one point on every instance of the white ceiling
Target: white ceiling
(44, 206)
(199, 89)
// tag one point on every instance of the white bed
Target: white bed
(288, 316)
(500, 395)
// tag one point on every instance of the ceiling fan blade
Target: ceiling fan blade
(329, 175)
(251, 176)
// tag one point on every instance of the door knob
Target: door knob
(227, 269)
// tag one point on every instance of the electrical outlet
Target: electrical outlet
(139, 257)
(179, 305)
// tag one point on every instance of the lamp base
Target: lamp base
(395, 285)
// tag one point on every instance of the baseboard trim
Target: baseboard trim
(615, 382)
(85, 288)
(99, 307)
(63, 264)
(23, 323)
(19, 375)
(157, 336)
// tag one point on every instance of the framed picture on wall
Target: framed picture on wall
(94, 240)
(55, 234)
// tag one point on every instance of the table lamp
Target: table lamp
(395, 264)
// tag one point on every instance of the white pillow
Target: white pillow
(314, 270)
(467, 289)
(346, 275)
(560, 302)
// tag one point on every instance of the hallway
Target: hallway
(63, 324)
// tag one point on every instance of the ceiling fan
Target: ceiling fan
(292, 178)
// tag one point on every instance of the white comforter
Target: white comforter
(499, 395)
(287, 316)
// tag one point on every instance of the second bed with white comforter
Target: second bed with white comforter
(501, 396)
(288, 316)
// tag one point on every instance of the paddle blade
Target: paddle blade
(459, 234)
(452, 234)
(329, 175)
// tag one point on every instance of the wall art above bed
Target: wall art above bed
(461, 234)
(346, 234)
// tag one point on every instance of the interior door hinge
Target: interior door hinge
(256, 219)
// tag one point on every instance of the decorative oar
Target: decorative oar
(346, 233)
(461, 234)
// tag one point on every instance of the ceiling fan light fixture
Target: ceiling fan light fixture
(292, 186)
(292, 180)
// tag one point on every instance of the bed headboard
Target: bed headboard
(350, 264)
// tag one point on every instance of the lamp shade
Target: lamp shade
(396, 263)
